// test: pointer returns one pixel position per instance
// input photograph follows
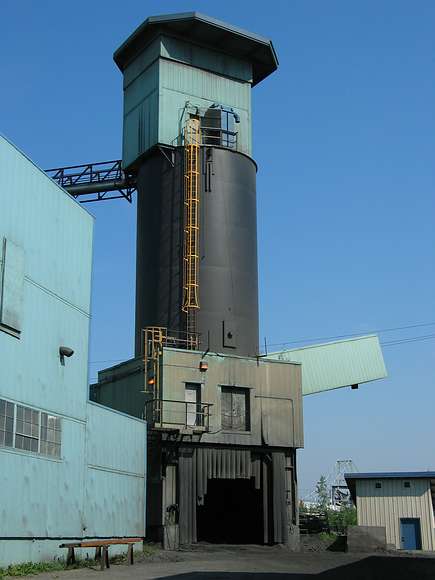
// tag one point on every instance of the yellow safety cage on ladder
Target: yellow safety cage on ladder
(192, 151)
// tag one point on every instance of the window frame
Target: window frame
(199, 416)
(233, 389)
(52, 447)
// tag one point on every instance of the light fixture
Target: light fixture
(203, 366)
(63, 352)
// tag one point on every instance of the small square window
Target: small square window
(378, 485)
(235, 414)
(406, 484)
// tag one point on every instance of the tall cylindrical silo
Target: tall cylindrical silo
(180, 69)
(227, 320)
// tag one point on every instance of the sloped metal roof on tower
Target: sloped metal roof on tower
(337, 364)
(201, 29)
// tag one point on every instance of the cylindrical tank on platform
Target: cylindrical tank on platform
(227, 320)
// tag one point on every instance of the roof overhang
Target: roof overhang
(206, 31)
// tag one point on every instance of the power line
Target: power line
(95, 362)
(349, 335)
(338, 336)
(421, 338)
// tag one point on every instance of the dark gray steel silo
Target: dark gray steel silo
(228, 315)
(179, 69)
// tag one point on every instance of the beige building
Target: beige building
(402, 503)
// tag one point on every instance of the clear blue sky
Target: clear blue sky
(344, 135)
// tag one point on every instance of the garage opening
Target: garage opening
(232, 513)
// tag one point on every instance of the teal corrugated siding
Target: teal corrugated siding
(94, 487)
(337, 364)
(180, 83)
(167, 75)
(55, 235)
(200, 57)
(115, 480)
(141, 114)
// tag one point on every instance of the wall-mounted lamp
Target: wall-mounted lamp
(203, 366)
(63, 352)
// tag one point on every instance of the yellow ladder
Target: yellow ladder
(192, 149)
(154, 340)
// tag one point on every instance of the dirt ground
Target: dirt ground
(260, 563)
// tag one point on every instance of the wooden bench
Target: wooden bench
(101, 545)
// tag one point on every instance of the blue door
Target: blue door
(410, 534)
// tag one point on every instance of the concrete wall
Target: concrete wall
(95, 485)
(386, 505)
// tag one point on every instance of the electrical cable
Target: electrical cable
(358, 333)
(349, 335)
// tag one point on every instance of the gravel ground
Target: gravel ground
(260, 563)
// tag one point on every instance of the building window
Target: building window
(6, 423)
(27, 429)
(194, 416)
(235, 414)
(406, 484)
(50, 435)
(32, 430)
(378, 485)
(11, 287)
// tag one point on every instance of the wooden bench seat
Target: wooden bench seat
(101, 545)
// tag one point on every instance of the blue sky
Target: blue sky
(344, 135)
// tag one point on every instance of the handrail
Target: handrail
(195, 414)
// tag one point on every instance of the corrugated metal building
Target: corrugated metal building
(402, 503)
(64, 472)
(225, 426)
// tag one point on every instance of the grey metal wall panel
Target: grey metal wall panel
(122, 388)
(269, 384)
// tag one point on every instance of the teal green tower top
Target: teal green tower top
(180, 65)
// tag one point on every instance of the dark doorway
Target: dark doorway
(232, 513)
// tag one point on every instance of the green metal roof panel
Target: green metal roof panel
(337, 364)
(203, 30)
